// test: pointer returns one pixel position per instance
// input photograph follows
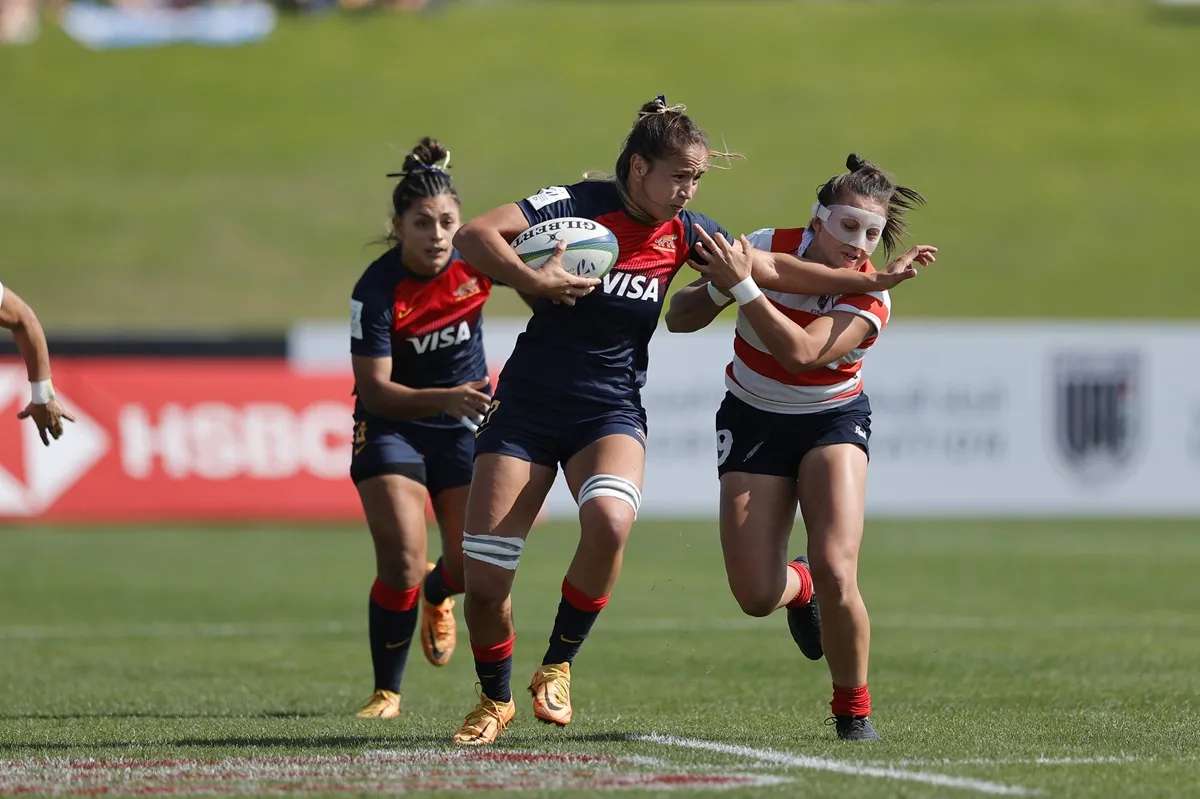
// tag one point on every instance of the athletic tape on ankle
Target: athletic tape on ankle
(494, 549)
(611, 485)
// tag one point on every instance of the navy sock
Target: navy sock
(493, 664)
(392, 620)
(577, 613)
(439, 586)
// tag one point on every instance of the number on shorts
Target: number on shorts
(724, 446)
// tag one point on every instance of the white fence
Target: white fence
(970, 418)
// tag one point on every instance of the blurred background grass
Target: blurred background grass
(193, 188)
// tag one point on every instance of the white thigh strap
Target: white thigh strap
(494, 549)
(611, 485)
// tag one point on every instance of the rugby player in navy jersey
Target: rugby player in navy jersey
(421, 380)
(45, 411)
(570, 395)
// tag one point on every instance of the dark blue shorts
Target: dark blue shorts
(548, 433)
(761, 442)
(437, 457)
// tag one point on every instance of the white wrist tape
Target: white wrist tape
(717, 296)
(41, 391)
(745, 292)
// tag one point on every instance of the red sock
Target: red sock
(805, 594)
(851, 701)
(581, 601)
(391, 599)
(494, 653)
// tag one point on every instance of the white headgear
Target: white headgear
(865, 236)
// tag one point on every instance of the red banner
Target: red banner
(180, 439)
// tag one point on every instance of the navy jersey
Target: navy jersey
(431, 327)
(598, 349)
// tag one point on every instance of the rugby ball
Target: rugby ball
(591, 247)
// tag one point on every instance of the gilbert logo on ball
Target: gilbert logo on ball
(592, 248)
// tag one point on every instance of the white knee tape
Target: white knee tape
(493, 549)
(611, 485)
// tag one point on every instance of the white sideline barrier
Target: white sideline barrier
(971, 418)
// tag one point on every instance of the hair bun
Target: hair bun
(659, 106)
(855, 162)
(429, 155)
(656, 106)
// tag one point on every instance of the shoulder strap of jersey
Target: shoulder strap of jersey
(787, 239)
(595, 198)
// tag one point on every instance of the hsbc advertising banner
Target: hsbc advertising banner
(970, 419)
(180, 439)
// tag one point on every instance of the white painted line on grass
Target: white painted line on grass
(1006, 761)
(384, 773)
(837, 766)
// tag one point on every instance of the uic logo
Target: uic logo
(1097, 403)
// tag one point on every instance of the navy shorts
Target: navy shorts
(549, 433)
(437, 457)
(761, 442)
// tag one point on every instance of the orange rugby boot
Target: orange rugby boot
(439, 633)
(551, 689)
(484, 724)
(382, 705)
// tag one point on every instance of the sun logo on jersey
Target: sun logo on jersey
(468, 289)
(665, 243)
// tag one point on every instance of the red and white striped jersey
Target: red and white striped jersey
(759, 380)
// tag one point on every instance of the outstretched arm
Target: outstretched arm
(43, 408)
(797, 348)
(17, 316)
(778, 271)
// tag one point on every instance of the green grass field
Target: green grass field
(214, 189)
(1057, 658)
